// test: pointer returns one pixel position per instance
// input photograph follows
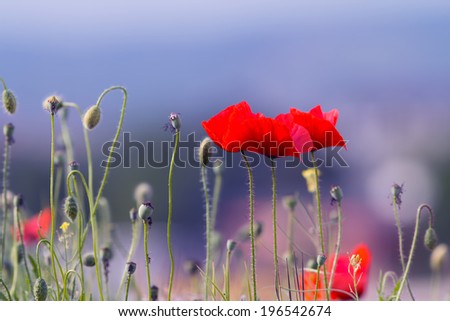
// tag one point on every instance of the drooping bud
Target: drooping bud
(8, 131)
(143, 192)
(131, 268)
(40, 290)
(204, 152)
(145, 212)
(92, 117)
(9, 101)
(52, 104)
(231, 245)
(336, 194)
(18, 201)
(438, 257)
(154, 293)
(74, 166)
(133, 215)
(430, 239)
(71, 208)
(175, 121)
(89, 260)
(321, 258)
(290, 202)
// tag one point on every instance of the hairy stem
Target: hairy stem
(147, 261)
(5, 205)
(208, 234)
(338, 245)
(274, 217)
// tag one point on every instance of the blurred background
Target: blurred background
(384, 65)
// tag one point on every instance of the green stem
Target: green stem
(227, 276)
(19, 228)
(274, 216)
(413, 245)
(338, 245)
(3, 83)
(169, 216)
(317, 282)
(38, 246)
(52, 203)
(319, 219)
(127, 289)
(66, 278)
(252, 227)
(5, 205)
(215, 200)
(400, 240)
(208, 234)
(80, 231)
(147, 261)
(5, 287)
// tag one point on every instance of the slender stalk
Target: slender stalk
(274, 217)
(19, 228)
(227, 275)
(147, 261)
(338, 245)
(80, 231)
(319, 221)
(5, 287)
(3, 83)
(400, 240)
(5, 203)
(208, 234)
(413, 245)
(169, 216)
(127, 289)
(317, 282)
(290, 232)
(252, 227)
(216, 197)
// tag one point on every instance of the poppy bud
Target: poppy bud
(438, 256)
(204, 151)
(231, 245)
(154, 293)
(175, 121)
(337, 194)
(311, 264)
(218, 167)
(89, 260)
(191, 267)
(290, 202)
(18, 201)
(8, 131)
(74, 166)
(52, 104)
(40, 290)
(143, 192)
(133, 215)
(106, 254)
(430, 239)
(131, 268)
(71, 208)
(321, 259)
(145, 211)
(9, 101)
(92, 117)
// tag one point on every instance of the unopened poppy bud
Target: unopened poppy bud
(290, 202)
(143, 192)
(190, 267)
(154, 293)
(71, 208)
(74, 166)
(218, 167)
(40, 290)
(18, 201)
(8, 131)
(89, 260)
(52, 104)
(106, 254)
(231, 245)
(438, 256)
(9, 101)
(131, 268)
(133, 215)
(204, 152)
(145, 211)
(430, 239)
(92, 117)
(321, 258)
(175, 121)
(336, 194)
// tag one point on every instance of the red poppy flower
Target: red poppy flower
(37, 226)
(343, 280)
(237, 128)
(319, 124)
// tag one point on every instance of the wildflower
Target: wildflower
(52, 104)
(40, 290)
(65, 227)
(175, 121)
(37, 226)
(310, 176)
(397, 191)
(9, 101)
(92, 117)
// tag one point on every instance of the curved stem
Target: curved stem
(208, 235)
(147, 261)
(169, 216)
(80, 246)
(38, 246)
(413, 245)
(5, 287)
(66, 277)
(400, 240)
(3, 83)
(19, 228)
(338, 245)
(5, 204)
(274, 217)
(319, 221)
(252, 227)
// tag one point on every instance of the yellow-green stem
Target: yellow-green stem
(127, 289)
(208, 235)
(80, 231)
(227, 276)
(338, 245)
(147, 261)
(5, 204)
(274, 217)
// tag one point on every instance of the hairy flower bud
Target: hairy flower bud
(133, 215)
(204, 152)
(190, 267)
(52, 104)
(131, 268)
(231, 245)
(18, 200)
(89, 260)
(336, 194)
(92, 117)
(175, 121)
(71, 208)
(9, 101)
(321, 259)
(145, 212)
(40, 290)
(430, 239)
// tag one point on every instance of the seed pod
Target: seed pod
(52, 104)
(336, 194)
(131, 268)
(74, 166)
(9, 101)
(40, 290)
(145, 211)
(89, 260)
(321, 259)
(154, 293)
(231, 245)
(71, 208)
(430, 239)
(92, 117)
(204, 152)
(175, 121)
